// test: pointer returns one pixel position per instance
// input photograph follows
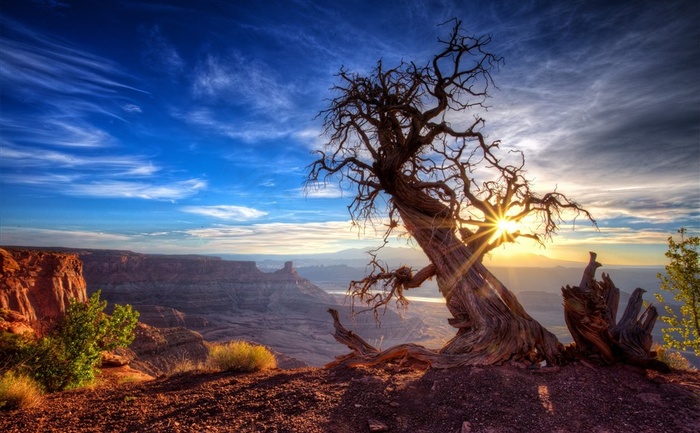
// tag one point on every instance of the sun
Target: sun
(505, 225)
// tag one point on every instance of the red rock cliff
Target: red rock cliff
(40, 284)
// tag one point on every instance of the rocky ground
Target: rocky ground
(575, 398)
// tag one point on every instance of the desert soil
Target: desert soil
(575, 398)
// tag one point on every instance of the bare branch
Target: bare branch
(391, 140)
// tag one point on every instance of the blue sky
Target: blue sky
(187, 126)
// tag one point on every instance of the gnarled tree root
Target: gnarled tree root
(364, 354)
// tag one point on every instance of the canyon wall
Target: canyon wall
(221, 300)
(196, 284)
(39, 284)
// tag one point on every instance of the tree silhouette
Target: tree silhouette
(403, 140)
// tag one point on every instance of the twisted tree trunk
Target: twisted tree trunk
(492, 327)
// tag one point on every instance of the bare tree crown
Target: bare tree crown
(401, 135)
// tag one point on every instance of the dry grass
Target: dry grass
(187, 366)
(673, 358)
(241, 356)
(18, 391)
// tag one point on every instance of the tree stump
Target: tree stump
(590, 311)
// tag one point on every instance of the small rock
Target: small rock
(651, 398)
(466, 427)
(377, 426)
(394, 404)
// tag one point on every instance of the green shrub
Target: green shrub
(18, 391)
(69, 355)
(241, 356)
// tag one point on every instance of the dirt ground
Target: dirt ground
(576, 398)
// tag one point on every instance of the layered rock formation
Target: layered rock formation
(196, 284)
(224, 300)
(39, 284)
(221, 299)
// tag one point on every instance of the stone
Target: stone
(377, 426)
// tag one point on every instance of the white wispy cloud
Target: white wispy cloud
(246, 130)
(160, 54)
(320, 190)
(226, 212)
(132, 108)
(35, 63)
(100, 186)
(15, 156)
(33, 236)
(54, 131)
(279, 238)
(241, 81)
(133, 189)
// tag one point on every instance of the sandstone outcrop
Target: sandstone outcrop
(158, 350)
(15, 323)
(39, 284)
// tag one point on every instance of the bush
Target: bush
(673, 358)
(69, 355)
(18, 391)
(241, 356)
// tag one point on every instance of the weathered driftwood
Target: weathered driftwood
(590, 311)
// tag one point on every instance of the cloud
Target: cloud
(31, 236)
(101, 186)
(18, 157)
(226, 212)
(35, 65)
(249, 131)
(281, 238)
(55, 131)
(244, 82)
(133, 189)
(160, 55)
(131, 108)
(320, 190)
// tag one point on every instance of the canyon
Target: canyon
(281, 308)
(37, 285)
(221, 300)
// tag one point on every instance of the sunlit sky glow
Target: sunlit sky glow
(187, 126)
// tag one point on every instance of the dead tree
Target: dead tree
(590, 311)
(400, 137)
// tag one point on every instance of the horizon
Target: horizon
(187, 128)
(355, 256)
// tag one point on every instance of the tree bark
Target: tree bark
(491, 324)
(590, 311)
